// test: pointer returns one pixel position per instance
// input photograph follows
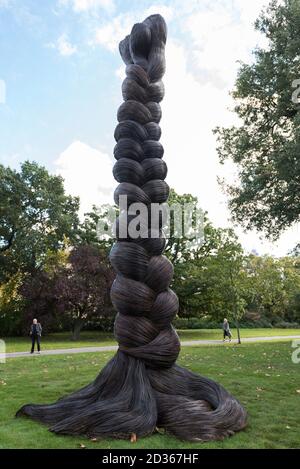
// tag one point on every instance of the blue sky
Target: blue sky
(52, 99)
(62, 73)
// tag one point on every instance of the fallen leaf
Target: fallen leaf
(133, 438)
(160, 430)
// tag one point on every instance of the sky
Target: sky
(60, 88)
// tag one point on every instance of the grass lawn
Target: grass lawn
(261, 375)
(94, 338)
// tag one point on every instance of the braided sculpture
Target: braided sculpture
(142, 388)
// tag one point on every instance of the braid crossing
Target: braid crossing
(140, 293)
(142, 387)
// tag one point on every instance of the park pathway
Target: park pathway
(110, 348)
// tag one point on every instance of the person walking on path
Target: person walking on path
(226, 330)
(35, 333)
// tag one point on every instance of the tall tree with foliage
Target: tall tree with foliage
(273, 287)
(82, 289)
(266, 147)
(184, 245)
(35, 215)
(97, 227)
(11, 306)
(197, 278)
(70, 292)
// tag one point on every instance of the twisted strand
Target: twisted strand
(141, 275)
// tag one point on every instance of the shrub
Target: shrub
(287, 325)
(195, 323)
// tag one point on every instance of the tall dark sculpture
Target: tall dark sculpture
(141, 387)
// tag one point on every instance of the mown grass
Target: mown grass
(261, 375)
(93, 338)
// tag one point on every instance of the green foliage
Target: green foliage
(212, 276)
(266, 146)
(88, 230)
(36, 216)
(202, 281)
(71, 291)
(195, 323)
(216, 279)
(180, 248)
(272, 287)
(11, 306)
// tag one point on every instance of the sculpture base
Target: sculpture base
(127, 397)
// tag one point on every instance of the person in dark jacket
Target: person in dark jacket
(226, 330)
(35, 333)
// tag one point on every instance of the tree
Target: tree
(231, 283)
(89, 228)
(273, 286)
(177, 247)
(222, 271)
(266, 146)
(11, 306)
(70, 291)
(82, 289)
(201, 278)
(40, 300)
(184, 246)
(35, 216)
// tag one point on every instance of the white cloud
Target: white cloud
(5, 3)
(220, 36)
(253, 240)
(13, 160)
(88, 174)
(63, 46)
(110, 33)
(165, 10)
(88, 5)
(191, 109)
(120, 72)
(190, 112)
(201, 71)
(2, 91)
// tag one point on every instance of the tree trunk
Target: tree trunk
(142, 387)
(237, 325)
(76, 329)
